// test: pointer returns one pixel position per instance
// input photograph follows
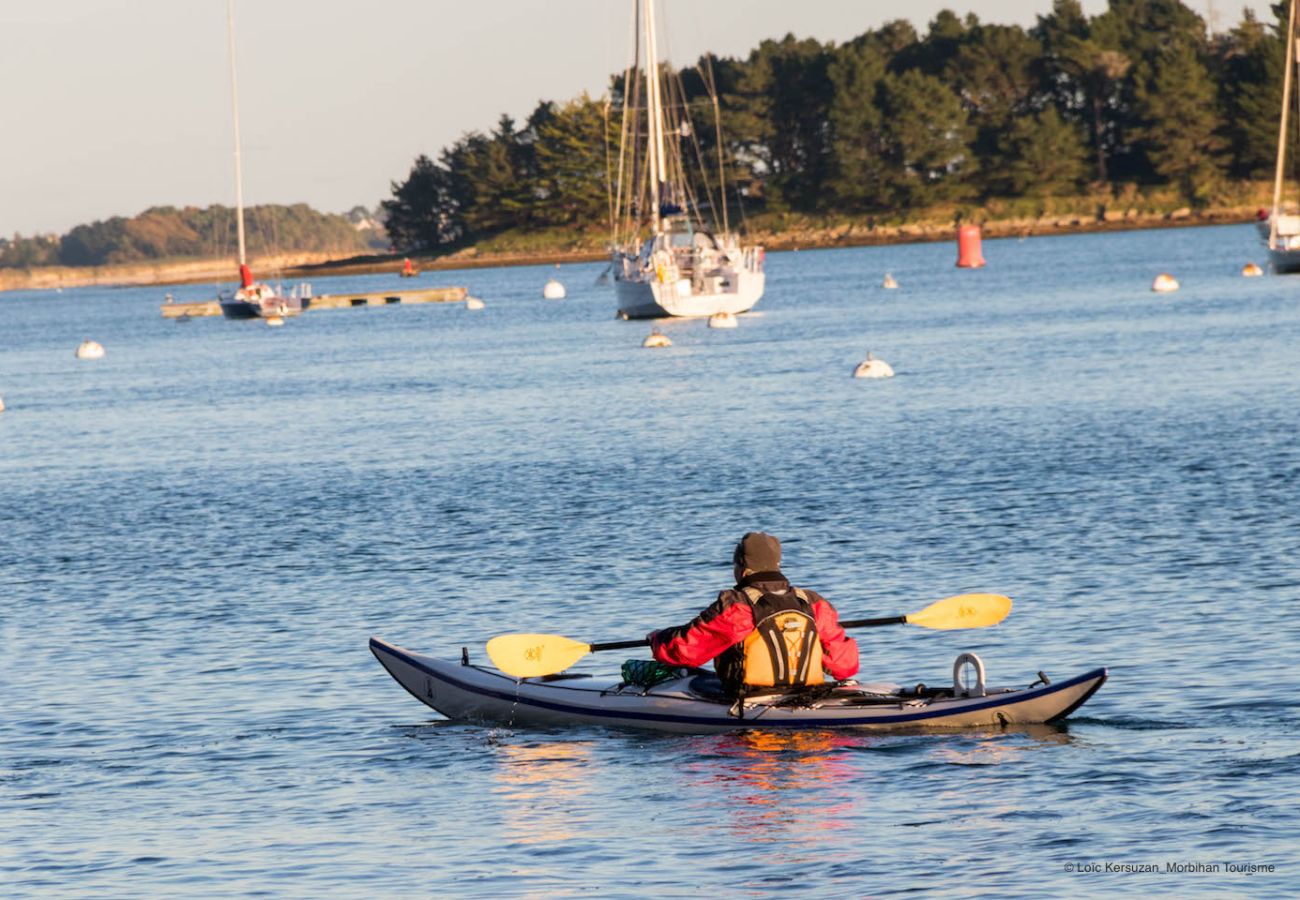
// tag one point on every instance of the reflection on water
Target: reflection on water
(806, 788)
(996, 746)
(542, 789)
(774, 786)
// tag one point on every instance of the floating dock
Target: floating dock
(399, 296)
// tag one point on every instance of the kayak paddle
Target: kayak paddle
(535, 655)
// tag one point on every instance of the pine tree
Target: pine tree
(781, 109)
(927, 139)
(1180, 137)
(1250, 62)
(1041, 155)
(857, 151)
(1143, 31)
(994, 73)
(571, 156)
(422, 215)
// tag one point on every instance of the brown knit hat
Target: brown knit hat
(758, 552)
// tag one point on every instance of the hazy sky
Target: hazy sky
(112, 106)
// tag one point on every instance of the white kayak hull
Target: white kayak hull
(466, 692)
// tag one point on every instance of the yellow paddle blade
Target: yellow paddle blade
(963, 611)
(534, 655)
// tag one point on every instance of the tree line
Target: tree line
(894, 120)
(165, 232)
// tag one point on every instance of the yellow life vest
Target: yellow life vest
(784, 649)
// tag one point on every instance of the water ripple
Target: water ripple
(194, 550)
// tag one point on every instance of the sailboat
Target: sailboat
(666, 261)
(1281, 230)
(252, 299)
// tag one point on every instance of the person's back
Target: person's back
(763, 634)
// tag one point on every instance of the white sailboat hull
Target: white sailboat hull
(1284, 261)
(652, 299)
(1281, 230)
(667, 262)
(1284, 246)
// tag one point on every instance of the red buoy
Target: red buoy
(969, 255)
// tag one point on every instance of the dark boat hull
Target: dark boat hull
(472, 693)
(275, 306)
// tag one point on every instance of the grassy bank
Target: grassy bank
(1125, 208)
(1109, 210)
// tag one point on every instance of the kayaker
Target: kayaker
(764, 633)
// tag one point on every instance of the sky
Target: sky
(113, 106)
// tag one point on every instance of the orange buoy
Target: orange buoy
(969, 255)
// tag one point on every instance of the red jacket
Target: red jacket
(729, 620)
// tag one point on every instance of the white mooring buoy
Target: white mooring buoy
(90, 350)
(1164, 283)
(656, 338)
(873, 368)
(722, 320)
(553, 290)
(473, 303)
(1251, 270)
(889, 283)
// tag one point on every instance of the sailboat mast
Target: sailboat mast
(1282, 130)
(655, 111)
(717, 129)
(234, 108)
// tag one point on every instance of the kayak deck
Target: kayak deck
(694, 703)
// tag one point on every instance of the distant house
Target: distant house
(369, 224)
(363, 220)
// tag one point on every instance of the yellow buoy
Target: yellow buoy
(1164, 283)
(90, 350)
(656, 338)
(873, 368)
(1250, 270)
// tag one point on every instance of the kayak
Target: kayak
(695, 704)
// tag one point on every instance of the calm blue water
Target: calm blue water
(199, 532)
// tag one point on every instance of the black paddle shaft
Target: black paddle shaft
(852, 623)
(620, 645)
(874, 623)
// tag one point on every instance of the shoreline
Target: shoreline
(862, 232)
(184, 271)
(853, 234)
